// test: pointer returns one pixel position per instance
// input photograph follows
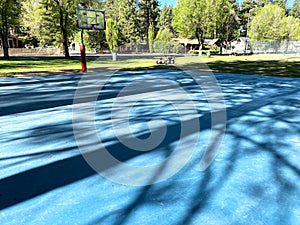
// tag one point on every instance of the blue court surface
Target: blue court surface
(44, 179)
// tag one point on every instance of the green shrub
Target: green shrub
(214, 48)
(194, 52)
(167, 47)
(112, 35)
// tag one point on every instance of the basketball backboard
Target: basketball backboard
(90, 19)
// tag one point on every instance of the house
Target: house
(13, 42)
(240, 45)
(194, 44)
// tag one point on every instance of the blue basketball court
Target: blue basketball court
(253, 179)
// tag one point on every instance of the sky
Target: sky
(173, 2)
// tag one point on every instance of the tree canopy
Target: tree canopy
(270, 23)
(166, 17)
(149, 14)
(190, 19)
(208, 18)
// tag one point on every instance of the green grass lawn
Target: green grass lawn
(269, 65)
(13, 67)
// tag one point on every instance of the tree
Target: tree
(166, 17)
(268, 23)
(148, 14)
(125, 13)
(281, 3)
(31, 16)
(190, 19)
(247, 11)
(59, 20)
(232, 22)
(205, 19)
(291, 28)
(112, 9)
(221, 15)
(35, 25)
(262, 3)
(9, 19)
(295, 10)
(151, 37)
(128, 21)
(164, 34)
(163, 42)
(42, 20)
(112, 36)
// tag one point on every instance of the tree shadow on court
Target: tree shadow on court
(254, 175)
(255, 180)
(259, 67)
(34, 97)
(262, 190)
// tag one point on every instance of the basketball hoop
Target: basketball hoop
(88, 19)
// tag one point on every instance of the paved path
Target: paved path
(254, 178)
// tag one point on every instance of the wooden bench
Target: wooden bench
(165, 60)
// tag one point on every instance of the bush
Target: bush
(167, 47)
(213, 50)
(194, 52)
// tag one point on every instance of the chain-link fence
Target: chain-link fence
(32, 51)
(275, 47)
(162, 47)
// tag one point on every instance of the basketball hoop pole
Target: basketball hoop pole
(82, 54)
(85, 19)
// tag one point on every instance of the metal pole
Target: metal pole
(246, 40)
(82, 54)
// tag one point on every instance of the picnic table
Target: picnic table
(165, 60)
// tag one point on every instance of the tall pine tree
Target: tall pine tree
(148, 14)
(125, 14)
(128, 21)
(295, 10)
(281, 3)
(247, 12)
(165, 18)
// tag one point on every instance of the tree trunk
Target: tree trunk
(63, 22)
(66, 45)
(5, 45)
(4, 34)
(227, 36)
(114, 56)
(65, 37)
(200, 38)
